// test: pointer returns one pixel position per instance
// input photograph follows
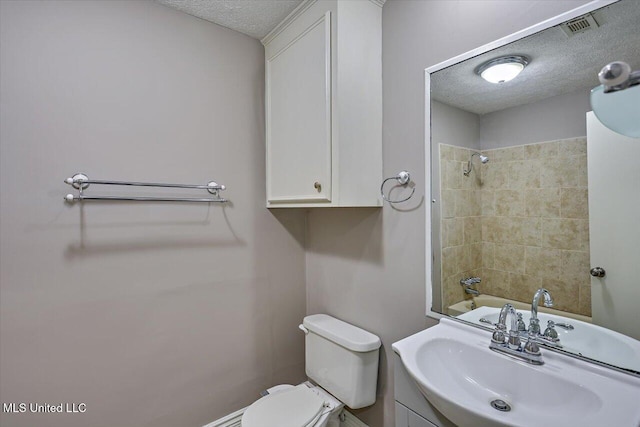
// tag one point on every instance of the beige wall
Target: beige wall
(367, 266)
(151, 314)
(454, 126)
(563, 117)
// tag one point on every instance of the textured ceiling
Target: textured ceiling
(559, 64)
(254, 18)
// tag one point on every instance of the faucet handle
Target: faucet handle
(521, 326)
(532, 347)
(487, 321)
(567, 326)
(551, 332)
(499, 336)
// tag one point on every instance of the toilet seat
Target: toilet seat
(298, 406)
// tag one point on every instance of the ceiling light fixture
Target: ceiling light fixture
(503, 69)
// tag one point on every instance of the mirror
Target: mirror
(528, 192)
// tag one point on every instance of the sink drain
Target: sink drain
(500, 405)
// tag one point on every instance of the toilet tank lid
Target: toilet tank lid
(342, 333)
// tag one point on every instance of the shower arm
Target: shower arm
(470, 164)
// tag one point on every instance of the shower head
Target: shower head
(483, 159)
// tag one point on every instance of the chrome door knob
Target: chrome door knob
(597, 272)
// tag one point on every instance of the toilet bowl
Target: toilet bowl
(341, 360)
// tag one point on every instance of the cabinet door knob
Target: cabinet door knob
(598, 272)
(317, 186)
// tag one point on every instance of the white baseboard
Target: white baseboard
(233, 420)
(351, 420)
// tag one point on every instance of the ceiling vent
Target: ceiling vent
(579, 25)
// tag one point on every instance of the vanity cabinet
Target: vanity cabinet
(323, 96)
(412, 408)
(405, 417)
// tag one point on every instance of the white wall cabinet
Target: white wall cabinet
(323, 72)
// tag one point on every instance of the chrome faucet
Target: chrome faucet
(534, 323)
(511, 345)
(468, 283)
(514, 336)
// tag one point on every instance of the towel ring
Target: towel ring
(403, 178)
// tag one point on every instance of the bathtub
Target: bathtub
(497, 302)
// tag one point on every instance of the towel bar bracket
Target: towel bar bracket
(77, 181)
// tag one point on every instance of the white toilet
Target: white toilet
(342, 359)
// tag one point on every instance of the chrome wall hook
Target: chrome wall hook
(403, 178)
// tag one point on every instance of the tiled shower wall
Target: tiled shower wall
(461, 222)
(533, 224)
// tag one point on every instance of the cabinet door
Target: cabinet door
(402, 416)
(416, 420)
(298, 91)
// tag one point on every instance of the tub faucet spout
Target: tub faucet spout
(467, 285)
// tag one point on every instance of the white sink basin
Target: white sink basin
(586, 339)
(457, 372)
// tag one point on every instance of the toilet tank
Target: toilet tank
(342, 359)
